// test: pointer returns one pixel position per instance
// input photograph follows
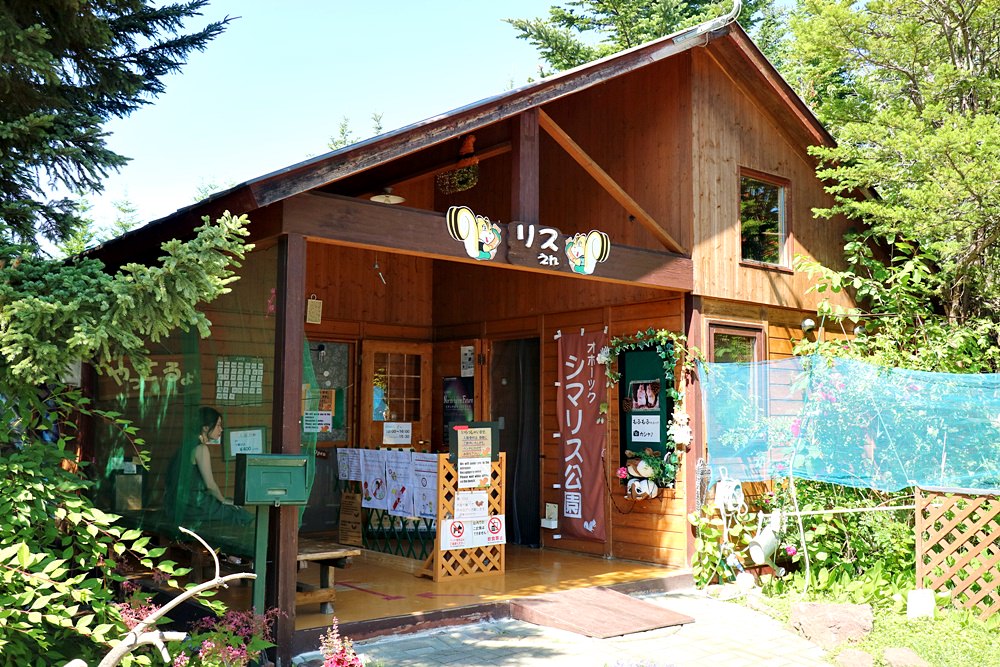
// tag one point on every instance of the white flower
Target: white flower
(604, 356)
(680, 433)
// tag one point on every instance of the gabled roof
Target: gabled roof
(729, 45)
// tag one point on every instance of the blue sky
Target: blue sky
(272, 89)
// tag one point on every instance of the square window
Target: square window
(762, 220)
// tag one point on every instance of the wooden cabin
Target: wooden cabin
(689, 154)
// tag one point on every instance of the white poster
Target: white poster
(468, 353)
(246, 441)
(473, 473)
(324, 421)
(354, 465)
(469, 533)
(646, 428)
(399, 476)
(310, 421)
(425, 485)
(397, 433)
(374, 490)
(472, 504)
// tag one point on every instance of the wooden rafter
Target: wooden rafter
(609, 184)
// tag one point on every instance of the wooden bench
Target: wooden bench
(328, 555)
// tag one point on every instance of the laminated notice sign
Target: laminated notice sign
(469, 533)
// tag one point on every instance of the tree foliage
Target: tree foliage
(910, 90)
(60, 556)
(66, 68)
(579, 31)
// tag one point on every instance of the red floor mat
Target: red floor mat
(595, 612)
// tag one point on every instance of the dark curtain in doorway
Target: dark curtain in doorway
(515, 400)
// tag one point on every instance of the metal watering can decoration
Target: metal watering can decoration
(765, 542)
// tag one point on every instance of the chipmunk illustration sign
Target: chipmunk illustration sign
(584, 251)
(528, 244)
(480, 236)
(538, 245)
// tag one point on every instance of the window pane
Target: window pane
(761, 218)
(397, 387)
(731, 348)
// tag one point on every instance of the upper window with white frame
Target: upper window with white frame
(763, 221)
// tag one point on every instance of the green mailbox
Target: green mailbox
(271, 479)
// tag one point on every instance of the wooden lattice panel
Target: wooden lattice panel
(477, 561)
(957, 548)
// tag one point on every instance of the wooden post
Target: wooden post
(287, 408)
(692, 403)
(524, 160)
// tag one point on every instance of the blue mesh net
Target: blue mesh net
(851, 423)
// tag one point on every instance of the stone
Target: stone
(830, 625)
(903, 657)
(853, 657)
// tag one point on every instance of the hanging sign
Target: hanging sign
(475, 446)
(397, 433)
(425, 485)
(537, 245)
(578, 398)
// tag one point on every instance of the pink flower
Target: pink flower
(796, 427)
(790, 550)
(622, 473)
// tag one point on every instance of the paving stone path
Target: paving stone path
(724, 634)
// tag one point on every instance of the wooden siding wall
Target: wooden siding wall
(650, 530)
(242, 325)
(473, 301)
(781, 326)
(466, 293)
(357, 304)
(732, 132)
(637, 129)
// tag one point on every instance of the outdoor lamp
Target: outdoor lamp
(386, 197)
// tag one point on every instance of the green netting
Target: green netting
(193, 382)
(852, 423)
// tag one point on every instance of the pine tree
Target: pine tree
(66, 68)
(580, 31)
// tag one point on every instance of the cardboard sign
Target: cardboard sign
(350, 519)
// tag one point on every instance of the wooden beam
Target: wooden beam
(524, 167)
(363, 224)
(283, 542)
(608, 183)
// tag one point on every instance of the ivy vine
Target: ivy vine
(670, 346)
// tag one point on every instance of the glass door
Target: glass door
(396, 395)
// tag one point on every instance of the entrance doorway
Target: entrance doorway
(514, 390)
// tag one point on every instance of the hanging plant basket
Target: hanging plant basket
(458, 180)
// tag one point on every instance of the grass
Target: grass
(953, 638)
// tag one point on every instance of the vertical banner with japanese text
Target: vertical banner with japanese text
(581, 390)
